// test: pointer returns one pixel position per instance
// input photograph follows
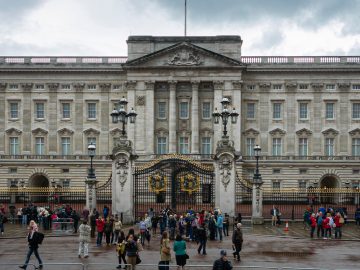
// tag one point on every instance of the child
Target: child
(120, 250)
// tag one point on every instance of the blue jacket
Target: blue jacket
(220, 220)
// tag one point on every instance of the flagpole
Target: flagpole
(185, 18)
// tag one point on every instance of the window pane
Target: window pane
(184, 145)
(329, 146)
(92, 110)
(65, 146)
(66, 110)
(250, 144)
(206, 145)
(277, 110)
(39, 145)
(14, 145)
(356, 110)
(40, 110)
(184, 109)
(303, 111)
(250, 113)
(276, 185)
(303, 147)
(14, 110)
(206, 110)
(356, 147)
(161, 145)
(330, 110)
(162, 110)
(276, 147)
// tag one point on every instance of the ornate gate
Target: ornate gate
(173, 181)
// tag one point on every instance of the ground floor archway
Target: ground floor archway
(328, 184)
(39, 181)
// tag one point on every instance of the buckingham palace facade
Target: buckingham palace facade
(303, 111)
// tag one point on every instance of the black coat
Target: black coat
(34, 241)
(220, 264)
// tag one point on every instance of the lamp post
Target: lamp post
(91, 180)
(119, 114)
(91, 152)
(224, 115)
(257, 198)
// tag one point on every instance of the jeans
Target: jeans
(220, 233)
(226, 229)
(24, 220)
(164, 265)
(320, 229)
(115, 237)
(2, 227)
(237, 251)
(338, 232)
(99, 238)
(312, 230)
(202, 246)
(84, 248)
(30, 252)
(328, 232)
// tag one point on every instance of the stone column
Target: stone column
(257, 204)
(90, 193)
(236, 103)
(53, 121)
(27, 119)
(122, 181)
(149, 115)
(2, 117)
(130, 87)
(225, 171)
(104, 115)
(79, 118)
(195, 118)
(172, 118)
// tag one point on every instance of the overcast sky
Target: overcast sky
(101, 27)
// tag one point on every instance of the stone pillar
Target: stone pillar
(225, 175)
(90, 193)
(172, 118)
(257, 204)
(105, 106)
(130, 87)
(122, 181)
(27, 119)
(195, 118)
(2, 117)
(236, 103)
(53, 118)
(149, 115)
(79, 118)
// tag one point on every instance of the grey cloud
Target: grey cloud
(269, 39)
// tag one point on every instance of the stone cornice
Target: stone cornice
(39, 131)
(218, 85)
(330, 131)
(276, 131)
(303, 131)
(237, 84)
(105, 87)
(354, 132)
(27, 86)
(130, 85)
(91, 131)
(149, 85)
(13, 131)
(264, 85)
(344, 85)
(65, 131)
(251, 131)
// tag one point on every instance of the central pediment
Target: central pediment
(183, 54)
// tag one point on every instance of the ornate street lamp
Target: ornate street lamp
(91, 151)
(257, 175)
(119, 114)
(224, 115)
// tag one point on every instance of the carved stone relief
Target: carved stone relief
(184, 57)
(140, 100)
(122, 166)
(225, 166)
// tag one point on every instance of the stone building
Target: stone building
(303, 111)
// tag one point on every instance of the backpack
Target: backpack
(40, 237)
(120, 248)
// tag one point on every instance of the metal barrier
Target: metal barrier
(62, 266)
(9, 266)
(63, 225)
(97, 266)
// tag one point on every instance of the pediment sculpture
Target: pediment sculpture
(184, 58)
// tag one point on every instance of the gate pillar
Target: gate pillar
(225, 175)
(122, 184)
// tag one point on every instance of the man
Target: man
(237, 240)
(219, 225)
(84, 239)
(202, 237)
(34, 239)
(94, 216)
(222, 263)
(274, 213)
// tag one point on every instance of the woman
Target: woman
(312, 225)
(165, 252)
(131, 249)
(117, 229)
(180, 251)
(121, 250)
(107, 230)
(33, 241)
(100, 223)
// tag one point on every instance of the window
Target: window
(13, 86)
(66, 110)
(92, 110)
(39, 145)
(14, 110)
(250, 110)
(206, 110)
(184, 110)
(303, 86)
(303, 110)
(161, 145)
(116, 87)
(330, 87)
(184, 145)
(65, 170)
(92, 86)
(251, 87)
(40, 110)
(356, 87)
(303, 147)
(277, 110)
(276, 171)
(14, 146)
(65, 146)
(276, 147)
(302, 185)
(65, 183)
(356, 110)
(162, 110)
(276, 186)
(329, 110)
(13, 170)
(206, 145)
(39, 86)
(250, 144)
(277, 86)
(65, 86)
(302, 171)
(355, 149)
(329, 146)
(356, 171)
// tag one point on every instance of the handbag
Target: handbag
(165, 250)
(341, 220)
(138, 260)
(187, 256)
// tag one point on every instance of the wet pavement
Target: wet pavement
(264, 246)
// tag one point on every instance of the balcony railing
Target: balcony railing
(63, 60)
(305, 158)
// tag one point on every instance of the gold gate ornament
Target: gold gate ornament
(190, 183)
(157, 183)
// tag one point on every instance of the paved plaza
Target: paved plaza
(264, 246)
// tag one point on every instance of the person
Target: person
(212, 227)
(357, 216)
(327, 223)
(84, 239)
(219, 225)
(312, 225)
(19, 215)
(339, 222)
(108, 226)
(165, 251)
(172, 227)
(237, 240)
(180, 251)
(154, 222)
(274, 213)
(93, 217)
(202, 237)
(106, 211)
(117, 229)
(2, 222)
(222, 263)
(131, 249)
(319, 222)
(120, 249)
(226, 223)
(100, 224)
(75, 218)
(142, 228)
(34, 241)
(85, 213)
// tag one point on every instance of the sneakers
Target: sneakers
(40, 266)
(118, 267)
(22, 266)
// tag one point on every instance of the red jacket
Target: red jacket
(100, 225)
(312, 221)
(326, 223)
(337, 221)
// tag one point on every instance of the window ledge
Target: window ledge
(92, 119)
(66, 119)
(13, 119)
(39, 119)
